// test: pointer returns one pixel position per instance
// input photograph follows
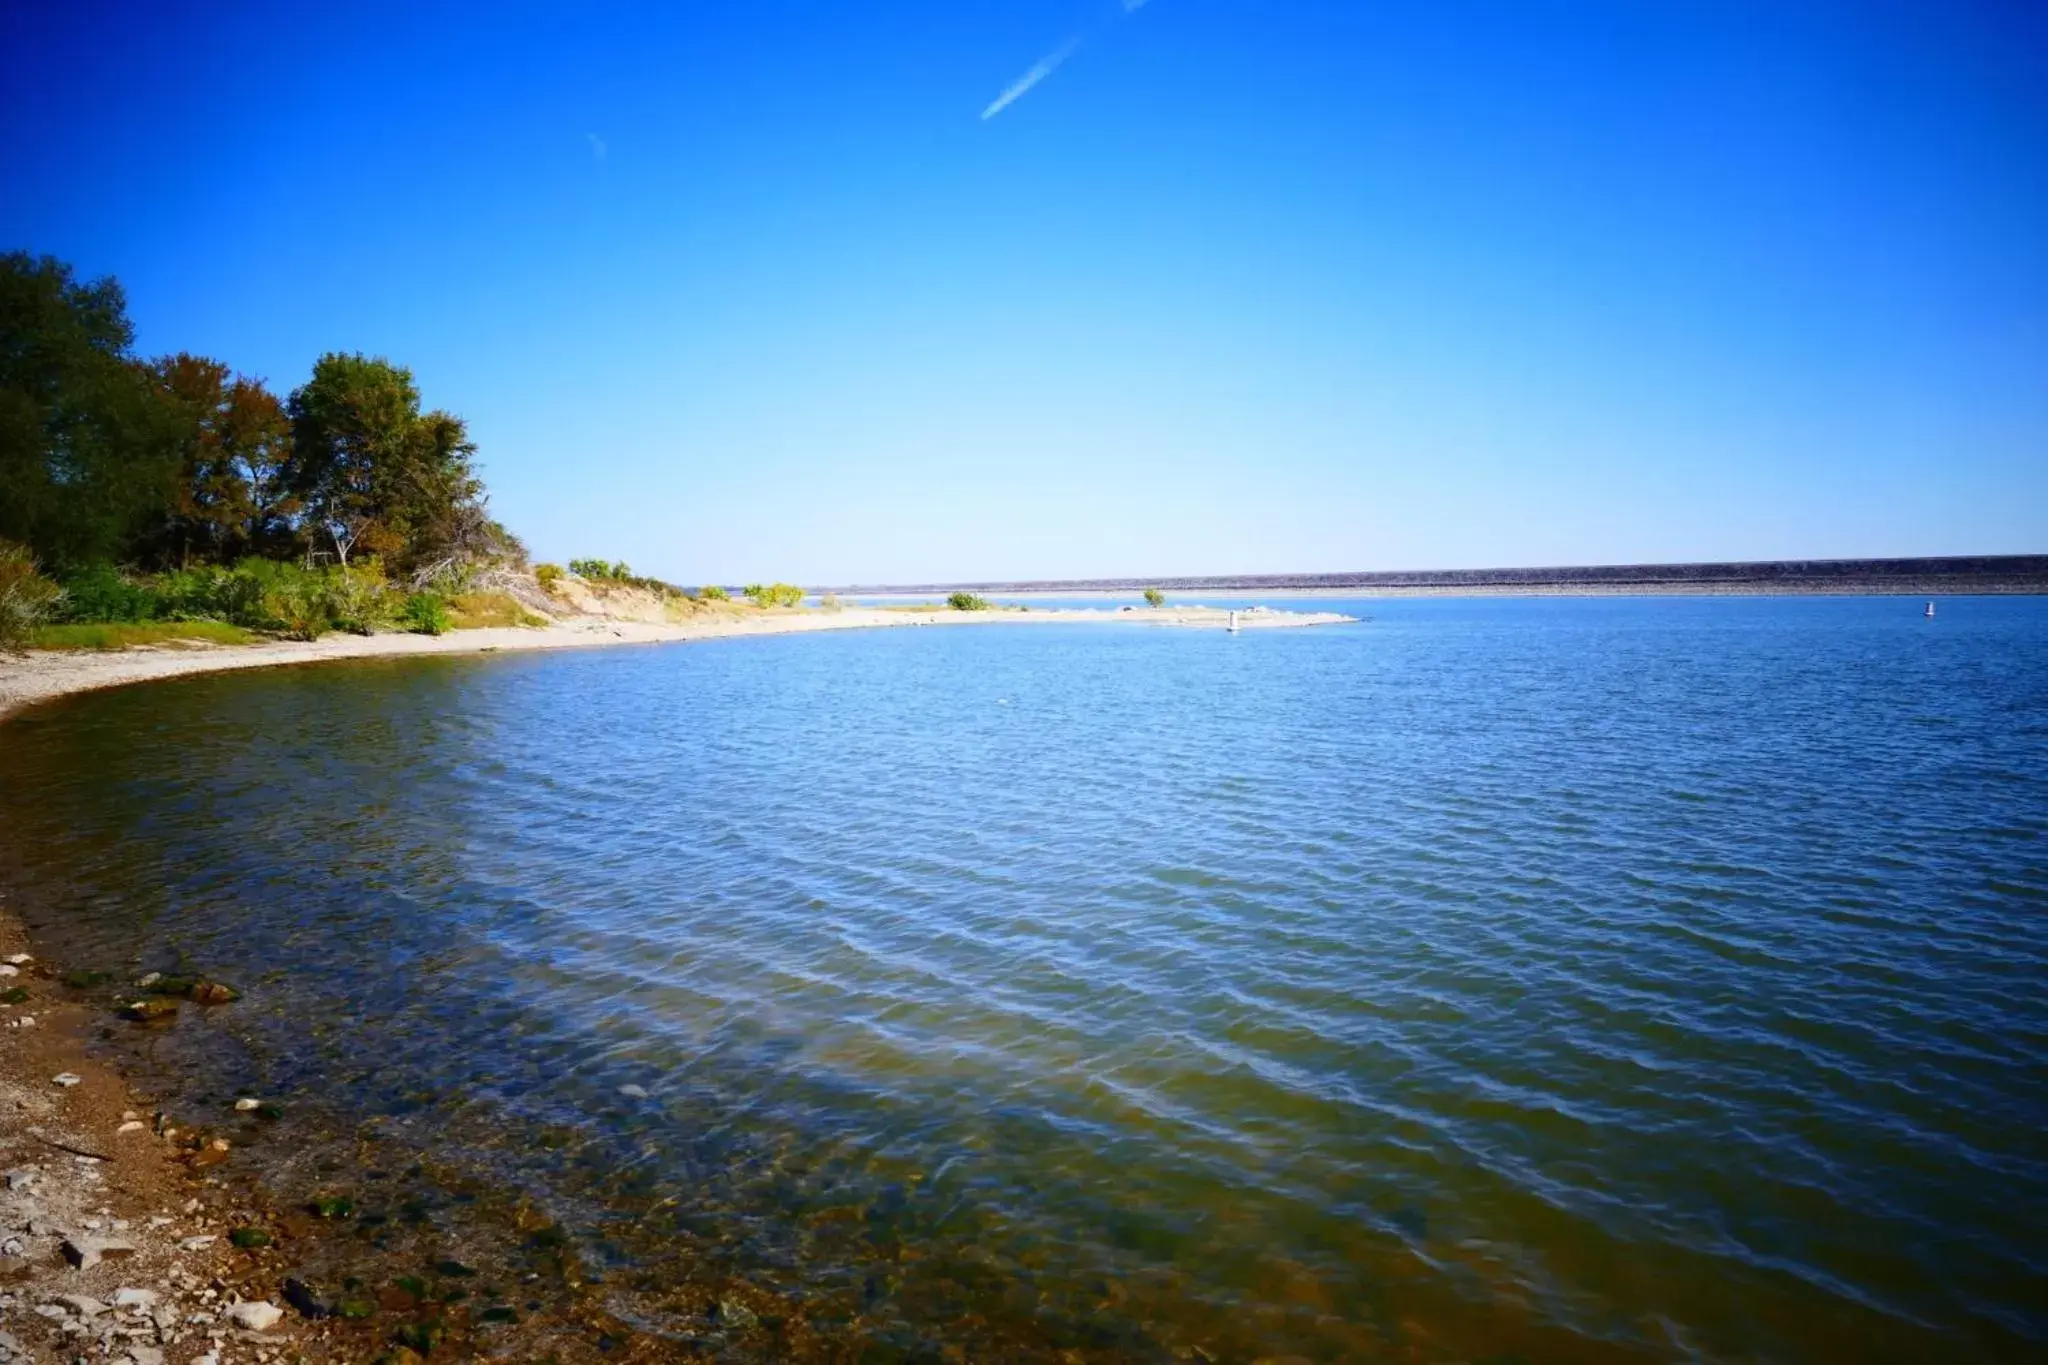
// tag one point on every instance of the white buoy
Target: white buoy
(1233, 623)
(1930, 609)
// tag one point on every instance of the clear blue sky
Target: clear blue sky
(755, 289)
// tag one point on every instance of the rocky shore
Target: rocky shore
(130, 1233)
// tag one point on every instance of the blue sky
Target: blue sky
(756, 289)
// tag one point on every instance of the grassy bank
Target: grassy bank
(127, 635)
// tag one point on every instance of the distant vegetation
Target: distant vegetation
(967, 601)
(1154, 598)
(598, 571)
(711, 592)
(773, 594)
(139, 490)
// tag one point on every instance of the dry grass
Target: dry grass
(477, 610)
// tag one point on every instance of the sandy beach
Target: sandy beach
(42, 675)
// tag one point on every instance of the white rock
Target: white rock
(19, 959)
(210, 1358)
(65, 1079)
(145, 1355)
(131, 1126)
(150, 979)
(638, 1092)
(21, 1180)
(83, 1305)
(245, 1104)
(7, 969)
(197, 1243)
(134, 1298)
(26, 1021)
(258, 1315)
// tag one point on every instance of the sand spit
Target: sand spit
(41, 675)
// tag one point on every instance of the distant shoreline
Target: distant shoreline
(1950, 576)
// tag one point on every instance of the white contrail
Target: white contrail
(1046, 66)
(1051, 62)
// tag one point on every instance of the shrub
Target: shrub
(299, 606)
(426, 614)
(773, 594)
(598, 570)
(358, 599)
(967, 601)
(549, 575)
(26, 597)
(100, 593)
(830, 602)
(711, 592)
(210, 594)
(1154, 598)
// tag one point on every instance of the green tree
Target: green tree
(372, 472)
(85, 463)
(233, 444)
(967, 601)
(1154, 598)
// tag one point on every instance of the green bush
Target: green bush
(548, 575)
(426, 614)
(210, 594)
(1154, 598)
(99, 593)
(358, 598)
(597, 570)
(711, 592)
(26, 597)
(773, 594)
(967, 601)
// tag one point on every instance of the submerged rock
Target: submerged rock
(250, 1238)
(83, 978)
(212, 993)
(332, 1206)
(300, 1295)
(150, 1010)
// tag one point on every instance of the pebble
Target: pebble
(131, 1126)
(638, 1092)
(19, 959)
(257, 1315)
(245, 1104)
(134, 1298)
(65, 1079)
(9, 969)
(197, 1243)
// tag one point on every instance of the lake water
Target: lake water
(1567, 979)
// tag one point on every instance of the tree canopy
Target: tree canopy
(108, 458)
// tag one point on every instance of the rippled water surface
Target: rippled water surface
(1567, 979)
